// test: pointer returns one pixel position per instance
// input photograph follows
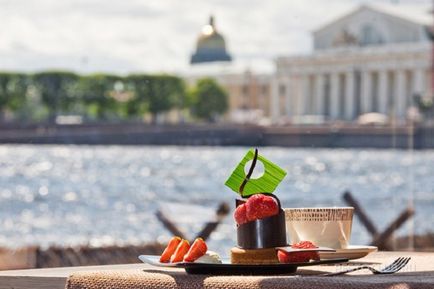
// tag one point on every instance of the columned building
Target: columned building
(371, 60)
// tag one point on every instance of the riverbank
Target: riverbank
(322, 136)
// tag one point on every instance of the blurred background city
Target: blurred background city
(118, 117)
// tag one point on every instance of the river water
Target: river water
(100, 195)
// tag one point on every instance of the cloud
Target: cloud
(151, 35)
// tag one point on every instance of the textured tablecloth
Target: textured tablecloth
(419, 273)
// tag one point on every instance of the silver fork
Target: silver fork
(394, 267)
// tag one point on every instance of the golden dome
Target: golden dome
(210, 45)
(210, 38)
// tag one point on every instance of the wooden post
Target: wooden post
(169, 225)
(361, 214)
(210, 227)
(382, 238)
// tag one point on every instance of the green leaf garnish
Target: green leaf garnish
(241, 183)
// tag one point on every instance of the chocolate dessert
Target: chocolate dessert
(259, 215)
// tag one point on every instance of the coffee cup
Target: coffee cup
(325, 226)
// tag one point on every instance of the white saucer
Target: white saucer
(351, 252)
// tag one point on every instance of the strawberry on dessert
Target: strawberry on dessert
(261, 206)
(170, 249)
(180, 251)
(298, 257)
(197, 250)
(240, 214)
(256, 207)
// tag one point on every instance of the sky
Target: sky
(155, 36)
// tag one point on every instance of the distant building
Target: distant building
(249, 96)
(373, 59)
(210, 46)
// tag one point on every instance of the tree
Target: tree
(55, 88)
(96, 92)
(98, 95)
(155, 93)
(13, 90)
(209, 99)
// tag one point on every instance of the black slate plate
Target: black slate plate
(226, 268)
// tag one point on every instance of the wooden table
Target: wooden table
(420, 268)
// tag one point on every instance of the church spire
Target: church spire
(211, 21)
